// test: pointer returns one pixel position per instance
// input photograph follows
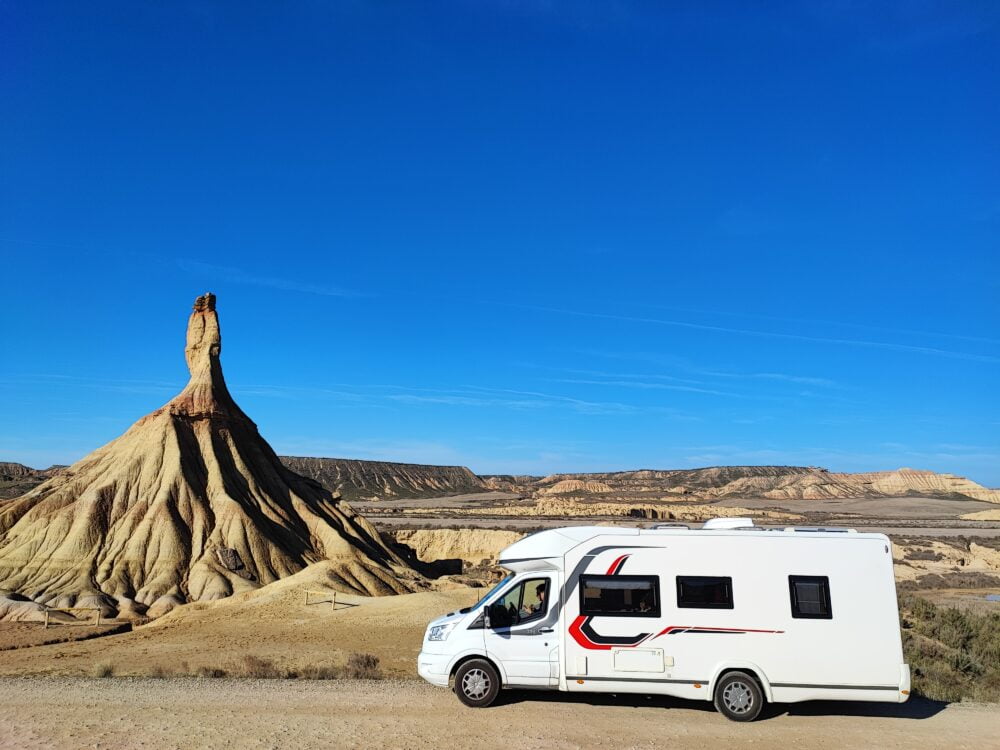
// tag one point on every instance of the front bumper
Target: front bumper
(434, 668)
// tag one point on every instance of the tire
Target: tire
(738, 697)
(477, 683)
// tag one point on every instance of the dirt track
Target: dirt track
(192, 713)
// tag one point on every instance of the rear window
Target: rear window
(620, 596)
(704, 592)
(810, 597)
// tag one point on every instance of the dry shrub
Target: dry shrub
(362, 667)
(210, 672)
(256, 667)
(316, 672)
(104, 669)
(158, 672)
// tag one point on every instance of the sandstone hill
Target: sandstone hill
(374, 480)
(568, 486)
(190, 504)
(777, 482)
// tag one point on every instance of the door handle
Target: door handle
(546, 630)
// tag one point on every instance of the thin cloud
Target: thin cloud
(239, 276)
(816, 321)
(772, 334)
(778, 376)
(457, 400)
(646, 386)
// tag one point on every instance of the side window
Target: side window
(620, 596)
(704, 592)
(525, 602)
(810, 597)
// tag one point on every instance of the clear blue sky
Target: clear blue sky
(520, 236)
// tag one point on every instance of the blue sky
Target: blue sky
(524, 237)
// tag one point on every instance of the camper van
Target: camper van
(730, 613)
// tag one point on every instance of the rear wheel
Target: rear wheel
(739, 697)
(477, 683)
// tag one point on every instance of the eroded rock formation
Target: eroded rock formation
(190, 504)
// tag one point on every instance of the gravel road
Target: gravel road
(206, 713)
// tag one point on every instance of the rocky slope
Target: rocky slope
(189, 504)
(373, 480)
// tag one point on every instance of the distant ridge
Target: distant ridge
(775, 482)
(17, 479)
(355, 479)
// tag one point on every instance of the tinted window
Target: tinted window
(705, 592)
(525, 602)
(620, 596)
(810, 596)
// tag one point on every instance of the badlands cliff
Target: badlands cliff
(190, 504)
(373, 480)
(776, 482)
(17, 479)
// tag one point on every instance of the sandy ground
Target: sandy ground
(970, 600)
(202, 713)
(272, 623)
(926, 508)
(28, 634)
(894, 508)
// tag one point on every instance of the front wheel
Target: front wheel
(477, 683)
(739, 697)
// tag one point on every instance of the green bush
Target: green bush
(953, 655)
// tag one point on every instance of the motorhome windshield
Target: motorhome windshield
(487, 595)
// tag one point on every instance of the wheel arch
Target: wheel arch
(741, 666)
(469, 656)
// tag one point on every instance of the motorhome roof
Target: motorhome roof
(546, 549)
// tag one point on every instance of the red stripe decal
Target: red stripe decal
(581, 638)
(672, 628)
(616, 565)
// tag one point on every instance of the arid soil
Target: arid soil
(201, 713)
(28, 634)
(273, 623)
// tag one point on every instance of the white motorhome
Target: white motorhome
(731, 613)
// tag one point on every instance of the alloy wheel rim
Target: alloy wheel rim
(475, 683)
(738, 697)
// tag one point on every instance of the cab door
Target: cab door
(521, 632)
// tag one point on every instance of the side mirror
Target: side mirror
(496, 616)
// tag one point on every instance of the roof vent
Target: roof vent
(729, 523)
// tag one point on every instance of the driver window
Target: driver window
(525, 602)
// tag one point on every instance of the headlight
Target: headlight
(440, 632)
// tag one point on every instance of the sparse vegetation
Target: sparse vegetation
(363, 667)
(258, 668)
(317, 672)
(104, 669)
(954, 655)
(210, 672)
(358, 667)
(923, 554)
